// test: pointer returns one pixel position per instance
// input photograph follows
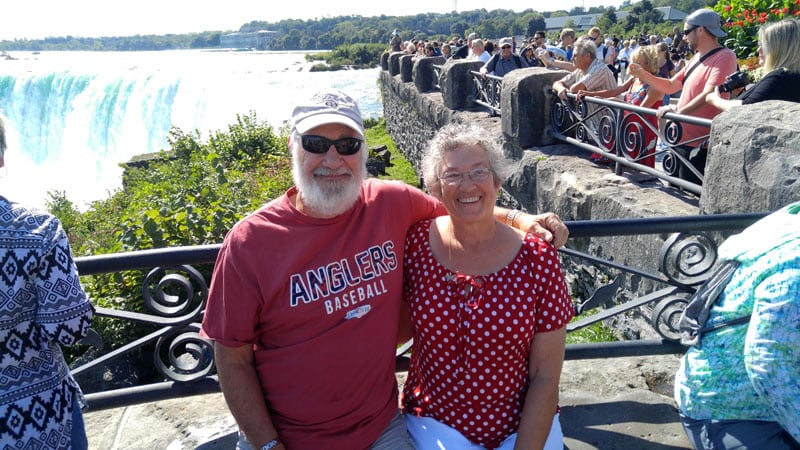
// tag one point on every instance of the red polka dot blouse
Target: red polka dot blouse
(472, 336)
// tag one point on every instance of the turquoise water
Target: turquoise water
(73, 117)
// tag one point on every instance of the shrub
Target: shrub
(742, 18)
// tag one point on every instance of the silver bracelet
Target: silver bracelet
(271, 444)
(512, 216)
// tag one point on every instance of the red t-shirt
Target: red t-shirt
(713, 71)
(318, 299)
(469, 366)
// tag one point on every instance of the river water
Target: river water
(73, 117)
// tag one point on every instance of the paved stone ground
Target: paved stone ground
(606, 404)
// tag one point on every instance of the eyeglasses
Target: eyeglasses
(320, 144)
(506, 46)
(689, 31)
(476, 175)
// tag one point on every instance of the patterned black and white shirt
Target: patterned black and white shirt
(42, 306)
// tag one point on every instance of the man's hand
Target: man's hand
(547, 226)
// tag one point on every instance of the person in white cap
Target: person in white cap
(305, 296)
(707, 69)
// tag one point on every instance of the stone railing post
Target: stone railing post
(406, 68)
(525, 107)
(394, 63)
(456, 82)
(757, 146)
(423, 74)
(385, 60)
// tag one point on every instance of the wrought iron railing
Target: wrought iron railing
(486, 90)
(174, 293)
(437, 76)
(623, 134)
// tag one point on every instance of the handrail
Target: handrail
(486, 91)
(174, 295)
(601, 126)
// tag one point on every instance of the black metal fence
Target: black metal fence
(628, 135)
(174, 293)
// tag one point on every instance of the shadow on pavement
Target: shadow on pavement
(627, 425)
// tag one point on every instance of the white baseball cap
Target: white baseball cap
(332, 106)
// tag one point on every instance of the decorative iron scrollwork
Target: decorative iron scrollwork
(666, 316)
(182, 355)
(687, 259)
(174, 291)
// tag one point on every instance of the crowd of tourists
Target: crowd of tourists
(652, 71)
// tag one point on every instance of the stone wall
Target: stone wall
(753, 166)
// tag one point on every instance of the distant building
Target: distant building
(585, 21)
(257, 40)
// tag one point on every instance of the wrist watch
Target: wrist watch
(271, 444)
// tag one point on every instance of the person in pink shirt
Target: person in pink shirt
(707, 69)
(306, 292)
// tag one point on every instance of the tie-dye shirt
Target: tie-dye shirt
(751, 371)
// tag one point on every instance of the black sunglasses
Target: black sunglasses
(320, 144)
(689, 31)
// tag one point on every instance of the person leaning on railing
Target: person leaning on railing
(779, 54)
(640, 94)
(708, 68)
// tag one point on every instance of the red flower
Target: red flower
(728, 8)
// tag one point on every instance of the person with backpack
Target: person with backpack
(738, 386)
(504, 61)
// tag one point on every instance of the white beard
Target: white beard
(327, 199)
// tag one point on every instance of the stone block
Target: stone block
(394, 63)
(456, 83)
(423, 73)
(525, 107)
(753, 160)
(406, 68)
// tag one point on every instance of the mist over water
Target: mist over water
(73, 117)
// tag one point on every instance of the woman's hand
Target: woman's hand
(665, 109)
(634, 69)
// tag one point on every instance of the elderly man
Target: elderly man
(707, 69)
(590, 74)
(503, 62)
(478, 51)
(305, 297)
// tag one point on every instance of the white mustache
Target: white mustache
(324, 171)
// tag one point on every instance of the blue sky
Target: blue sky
(34, 19)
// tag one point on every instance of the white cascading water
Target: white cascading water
(73, 117)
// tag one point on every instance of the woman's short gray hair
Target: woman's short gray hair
(453, 136)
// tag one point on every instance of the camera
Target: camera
(733, 81)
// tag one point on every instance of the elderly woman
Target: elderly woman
(638, 93)
(489, 309)
(780, 55)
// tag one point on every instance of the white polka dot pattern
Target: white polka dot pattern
(469, 366)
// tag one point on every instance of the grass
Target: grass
(596, 332)
(399, 168)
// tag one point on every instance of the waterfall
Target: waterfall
(73, 117)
